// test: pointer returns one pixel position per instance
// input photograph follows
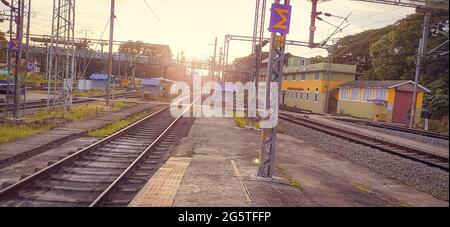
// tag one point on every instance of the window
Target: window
(303, 76)
(301, 62)
(354, 94)
(307, 94)
(301, 95)
(344, 93)
(289, 94)
(316, 75)
(316, 95)
(380, 94)
(367, 94)
(285, 77)
(296, 94)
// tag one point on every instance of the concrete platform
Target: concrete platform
(222, 168)
(23, 148)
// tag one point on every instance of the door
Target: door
(402, 107)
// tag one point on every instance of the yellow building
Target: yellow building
(313, 87)
(388, 101)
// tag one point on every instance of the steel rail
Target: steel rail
(77, 100)
(385, 146)
(399, 128)
(122, 176)
(23, 183)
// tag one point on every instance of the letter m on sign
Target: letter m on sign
(280, 18)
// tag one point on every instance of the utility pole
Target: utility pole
(213, 64)
(18, 61)
(312, 28)
(329, 75)
(110, 63)
(422, 51)
(27, 9)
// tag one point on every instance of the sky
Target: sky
(192, 25)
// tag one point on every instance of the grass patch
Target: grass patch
(403, 204)
(241, 122)
(281, 130)
(440, 126)
(117, 125)
(362, 188)
(43, 120)
(295, 184)
(31, 78)
(11, 132)
(94, 92)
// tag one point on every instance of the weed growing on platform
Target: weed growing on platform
(10, 132)
(118, 125)
(295, 184)
(43, 120)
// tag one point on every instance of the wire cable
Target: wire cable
(92, 55)
(154, 14)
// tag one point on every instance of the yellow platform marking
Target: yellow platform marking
(161, 189)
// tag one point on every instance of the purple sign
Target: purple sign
(280, 18)
(14, 44)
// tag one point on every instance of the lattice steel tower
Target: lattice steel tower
(258, 36)
(61, 55)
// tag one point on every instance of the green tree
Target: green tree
(394, 57)
(354, 49)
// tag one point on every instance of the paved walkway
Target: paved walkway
(20, 149)
(221, 171)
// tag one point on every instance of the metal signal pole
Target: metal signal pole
(18, 61)
(110, 63)
(279, 24)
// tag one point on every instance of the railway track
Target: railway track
(398, 128)
(385, 146)
(107, 173)
(43, 103)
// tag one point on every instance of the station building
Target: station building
(314, 87)
(387, 101)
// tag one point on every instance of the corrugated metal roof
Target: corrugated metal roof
(373, 83)
(380, 84)
(98, 76)
(166, 80)
(150, 82)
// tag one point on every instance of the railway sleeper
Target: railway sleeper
(119, 151)
(104, 154)
(83, 164)
(83, 178)
(55, 199)
(106, 160)
(108, 146)
(91, 172)
(64, 189)
(130, 144)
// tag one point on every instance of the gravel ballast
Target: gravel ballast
(422, 177)
(410, 136)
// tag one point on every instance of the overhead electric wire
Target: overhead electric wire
(154, 13)
(92, 55)
(357, 18)
(121, 29)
